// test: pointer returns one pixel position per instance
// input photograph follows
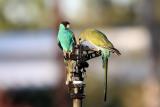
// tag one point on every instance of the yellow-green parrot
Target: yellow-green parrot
(100, 41)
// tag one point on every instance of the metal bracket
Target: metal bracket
(80, 55)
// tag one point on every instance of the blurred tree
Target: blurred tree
(39, 13)
(153, 23)
(110, 12)
(23, 14)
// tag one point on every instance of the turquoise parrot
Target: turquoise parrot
(66, 39)
(101, 42)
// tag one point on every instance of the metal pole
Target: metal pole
(76, 86)
(77, 93)
(77, 100)
(77, 103)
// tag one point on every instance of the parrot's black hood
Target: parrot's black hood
(65, 23)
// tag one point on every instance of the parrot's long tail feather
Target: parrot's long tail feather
(114, 50)
(105, 66)
(106, 84)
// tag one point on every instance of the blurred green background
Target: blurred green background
(31, 64)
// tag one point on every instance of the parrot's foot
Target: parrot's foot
(69, 55)
(67, 82)
(65, 54)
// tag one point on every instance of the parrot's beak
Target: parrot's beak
(80, 40)
(68, 26)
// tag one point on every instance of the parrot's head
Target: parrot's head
(82, 38)
(65, 24)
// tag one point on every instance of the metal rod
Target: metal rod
(76, 87)
(77, 102)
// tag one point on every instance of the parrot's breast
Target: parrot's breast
(66, 40)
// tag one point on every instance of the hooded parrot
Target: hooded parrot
(66, 41)
(101, 42)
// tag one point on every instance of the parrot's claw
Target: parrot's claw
(65, 54)
(67, 82)
(69, 55)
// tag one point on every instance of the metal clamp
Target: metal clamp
(80, 55)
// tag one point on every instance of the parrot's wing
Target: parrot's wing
(98, 38)
(74, 39)
(59, 44)
(72, 36)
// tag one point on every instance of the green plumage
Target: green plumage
(66, 38)
(101, 42)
